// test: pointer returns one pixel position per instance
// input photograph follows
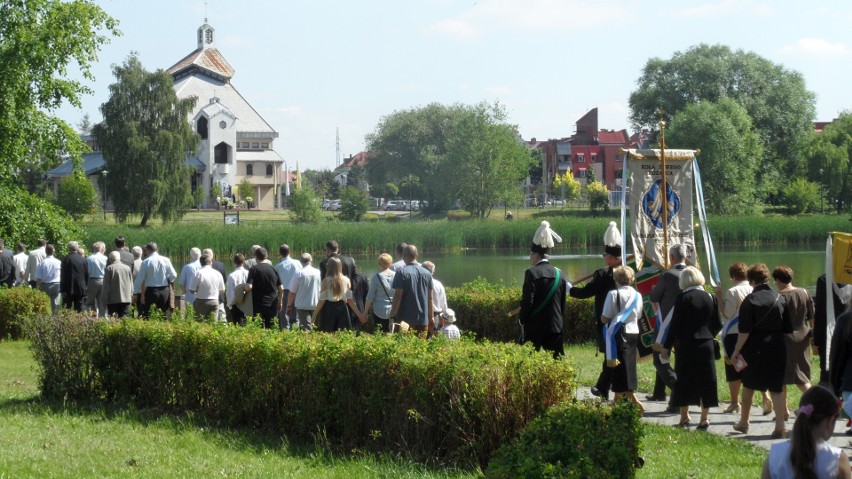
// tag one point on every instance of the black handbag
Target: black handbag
(717, 349)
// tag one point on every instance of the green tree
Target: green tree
(801, 196)
(216, 191)
(146, 137)
(305, 205)
(568, 186)
(323, 182)
(27, 217)
(458, 152)
(829, 159)
(39, 40)
(245, 190)
(353, 204)
(598, 195)
(780, 106)
(76, 194)
(357, 177)
(730, 156)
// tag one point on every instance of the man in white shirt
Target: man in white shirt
(206, 286)
(153, 282)
(36, 257)
(400, 262)
(21, 259)
(96, 263)
(304, 292)
(234, 289)
(187, 273)
(47, 276)
(286, 269)
(439, 296)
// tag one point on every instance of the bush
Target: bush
(371, 217)
(77, 195)
(801, 196)
(481, 308)
(26, 218)
(392, 217)
(353, 204)
(574, 440)
(458, 215)
(17, 306)
(437, 401)
(306, 205)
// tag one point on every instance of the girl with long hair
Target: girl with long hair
(335, 295)
(807, 454)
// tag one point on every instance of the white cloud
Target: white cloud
(460, 29)
(539, 15)
(817, 48)
(725, 7)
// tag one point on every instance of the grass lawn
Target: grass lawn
(50, 439)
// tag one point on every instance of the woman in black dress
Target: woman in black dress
(764, 322)
(335, 295)
(695, 322)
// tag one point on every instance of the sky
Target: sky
(312, 67)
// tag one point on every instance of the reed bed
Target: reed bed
(442, 235)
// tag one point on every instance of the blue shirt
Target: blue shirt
(156, 271)
(49, 270)
(286, 269)
(415, 281)
(97, 263)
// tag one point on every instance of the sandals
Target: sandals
(740, 427)
(684, 423)
(767, 407)
(779, 434)
(733, 408)
(703, 426)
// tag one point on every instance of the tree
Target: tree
(39, 39)
(357, 177)
(306, 205)
(216, 192)
(246, 191)
(801, 196)
(598, 195)
(146, 137)
(730, 156)
(324, 182)
(458, 152)
(829, 160)
(780, 106)
(568, 186)
(76, 194)
(353, 204)
(26, 217)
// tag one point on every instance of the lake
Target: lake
(455, 269)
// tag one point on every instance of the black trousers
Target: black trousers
(158, 297)
(659, 384)
(550, 342)
(74, 302)
(604, 379)
(122, 310)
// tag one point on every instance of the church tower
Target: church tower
(205, 36)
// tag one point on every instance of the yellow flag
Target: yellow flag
(842, 254)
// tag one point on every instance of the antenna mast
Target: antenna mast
(337, 163)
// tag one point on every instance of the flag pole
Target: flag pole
(663, 187)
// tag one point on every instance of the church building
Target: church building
(236, 143)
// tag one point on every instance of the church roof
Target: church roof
(208, 60)
(249, 121)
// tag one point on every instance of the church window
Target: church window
(269, 169)
(249, 169)
(209, 35)
(220, 153)
(201, 128)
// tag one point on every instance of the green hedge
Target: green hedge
(582, 440)
(436, 401)
(481, 308)
(17, 305)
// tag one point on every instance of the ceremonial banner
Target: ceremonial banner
(842, 261)
(645, 280)
(838, 269)
(646, 203)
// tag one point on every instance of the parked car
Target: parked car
(326, 204)
(415, 205)
(334, 206)
(391, 206)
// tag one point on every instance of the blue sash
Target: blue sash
(727, 330)
(611, 330)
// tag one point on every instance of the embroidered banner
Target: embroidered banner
(646, 203)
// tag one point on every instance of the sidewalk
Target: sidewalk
(721, 424)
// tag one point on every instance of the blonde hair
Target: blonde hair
(691, 276)
(334, 271)
(385, 261)
(623, 275)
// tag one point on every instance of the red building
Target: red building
(593, 149)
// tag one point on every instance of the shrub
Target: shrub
(481, 308)
(391, 217)
(18, 305)
(353, 204)
(26, 217)
(458, 215)
(801, 196)
(306, 205)
(438, 401)
(371, 217)
(574, 440)
(77, 195)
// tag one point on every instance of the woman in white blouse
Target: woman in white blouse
(623, 306)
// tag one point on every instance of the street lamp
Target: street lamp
(821, 195)
(104, 173)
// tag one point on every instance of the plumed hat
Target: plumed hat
(612, 240)
(544, 238)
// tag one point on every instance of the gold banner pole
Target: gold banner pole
(664, 191)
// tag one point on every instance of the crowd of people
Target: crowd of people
(291, 294)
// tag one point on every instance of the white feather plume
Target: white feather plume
(612, 237)
(544, 236)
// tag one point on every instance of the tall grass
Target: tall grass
(442, 235)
